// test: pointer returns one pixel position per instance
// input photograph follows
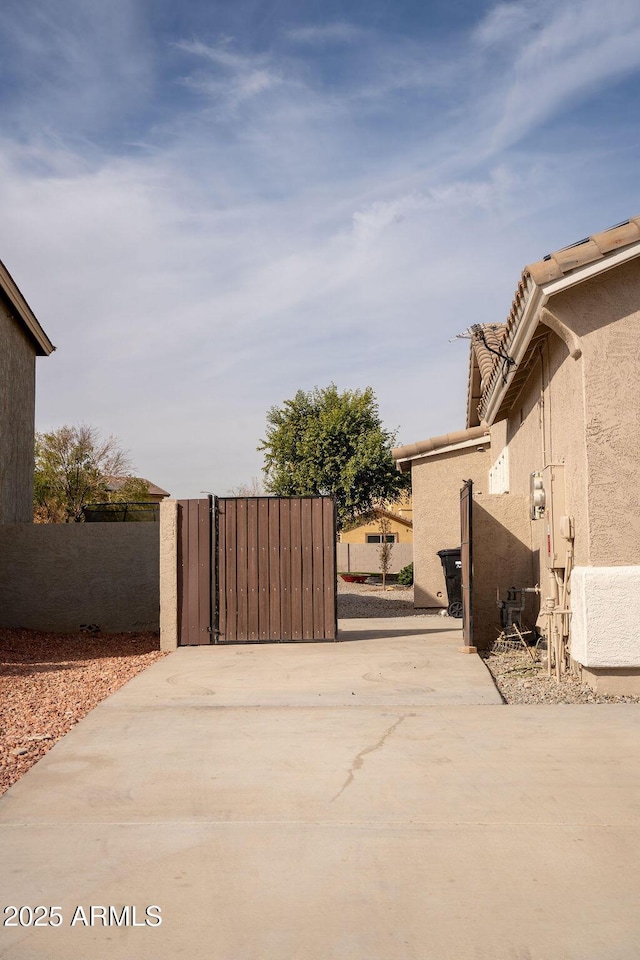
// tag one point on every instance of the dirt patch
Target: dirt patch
(49, 681)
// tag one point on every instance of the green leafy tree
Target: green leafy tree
(330, 443)
(75, 466)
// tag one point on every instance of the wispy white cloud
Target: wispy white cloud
(552, 55)
(237, 77)
(339, 31)
(508, 23)
(283, 229)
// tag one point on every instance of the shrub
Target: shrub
(405, 577)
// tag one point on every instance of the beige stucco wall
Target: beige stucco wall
(585, 413)
(605, 314)
(547, 426)
(169, 575)
(17, 411)
(502, 558)
(436, 482)
(57, 577)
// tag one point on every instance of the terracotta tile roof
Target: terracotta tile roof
(553, 267)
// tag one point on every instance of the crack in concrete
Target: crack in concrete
(359, 759)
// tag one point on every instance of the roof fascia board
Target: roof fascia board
(539, 300)
(451, 448)
(25, 312)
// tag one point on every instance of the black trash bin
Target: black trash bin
(451, 561)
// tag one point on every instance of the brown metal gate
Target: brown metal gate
(256, 569)
(466, 556)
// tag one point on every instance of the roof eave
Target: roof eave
(404, 464)
(44, 347)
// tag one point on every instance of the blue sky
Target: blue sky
(210, 205)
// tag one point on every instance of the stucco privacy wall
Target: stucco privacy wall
(502, 558)
(365, 557)
(17, 376)
(56, 577)
(169, 575)
(436, 482)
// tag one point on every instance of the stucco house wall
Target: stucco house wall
(436, 481)
(585, 413)
(17, 413)
(502, 558)
(578, 405)
(546, 426)
(604, 313)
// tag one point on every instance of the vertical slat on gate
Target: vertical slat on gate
(241, 568)
(231, 632)
(329, 562)
(296, 570)
(307, 569)
(192, 599)
(252, 569)
(286, 582)
(204, 571)
(263, 568)
(183, 571)
(221, 585)
(275, 629)
(318, 569)
(194, 572)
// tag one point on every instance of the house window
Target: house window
(377, 538)
(499, 474)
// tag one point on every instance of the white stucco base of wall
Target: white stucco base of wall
(605, 602)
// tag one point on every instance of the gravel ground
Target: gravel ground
(370, 600)
(50, 681)
(519, 680)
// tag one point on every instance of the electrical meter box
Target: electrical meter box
(536, 496)
(555, 549)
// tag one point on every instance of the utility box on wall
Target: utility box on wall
(554, 512)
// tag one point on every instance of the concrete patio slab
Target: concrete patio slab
(400, 660)
(354, 830)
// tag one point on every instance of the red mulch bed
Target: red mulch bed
(49, 681)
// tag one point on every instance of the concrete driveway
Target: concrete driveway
(365, 800)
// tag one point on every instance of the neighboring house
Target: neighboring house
(137, 508)
(557, 503)
(396, 518)
(358, 548)
(22, 339)
(155, 494)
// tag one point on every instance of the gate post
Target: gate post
(466, 557)
(168, 575)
